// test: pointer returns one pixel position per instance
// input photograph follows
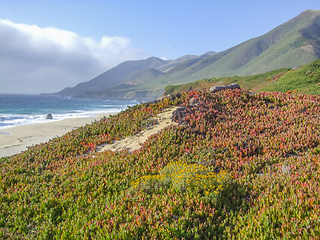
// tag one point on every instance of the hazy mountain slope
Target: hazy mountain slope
(138, 77)
(185, 64)
(175, 62)
(186, 75)
(190, 62)
(208, 54)
(113, 76)
(189, 74)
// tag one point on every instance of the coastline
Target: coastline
(15, 140)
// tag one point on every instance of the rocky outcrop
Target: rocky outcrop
(49, 116)
(223, 87)
(180, 114)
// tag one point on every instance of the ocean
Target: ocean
(16, 109)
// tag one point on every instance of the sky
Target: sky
(47, 45)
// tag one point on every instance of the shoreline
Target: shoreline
(16, 139)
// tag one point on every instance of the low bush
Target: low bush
(193, 178)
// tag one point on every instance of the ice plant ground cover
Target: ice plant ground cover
(239, 166)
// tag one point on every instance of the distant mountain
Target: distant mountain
(175, 62)
(292, 44)
(113, 77)
(139, 77)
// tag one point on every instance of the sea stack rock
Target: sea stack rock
(49, 116)
(223, 87)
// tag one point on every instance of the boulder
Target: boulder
(214, 89)
(49, 116)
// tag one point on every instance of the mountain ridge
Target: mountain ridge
(291, 44)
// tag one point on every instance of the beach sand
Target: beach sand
(16, 139)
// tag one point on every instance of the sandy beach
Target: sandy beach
(16, 139)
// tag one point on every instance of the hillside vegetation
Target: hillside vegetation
(238, 166)
(305, 79)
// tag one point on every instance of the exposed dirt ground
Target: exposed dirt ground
(134, 142)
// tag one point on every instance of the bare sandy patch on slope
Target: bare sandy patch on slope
(134, 142)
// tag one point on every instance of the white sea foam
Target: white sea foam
(12, 120)
(18, 110)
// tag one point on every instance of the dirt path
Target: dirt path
(134, 142)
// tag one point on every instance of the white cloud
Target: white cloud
(36, 60)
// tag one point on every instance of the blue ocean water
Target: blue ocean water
(16, 109)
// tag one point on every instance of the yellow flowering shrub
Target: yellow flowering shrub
(148, 183)
(193, 178)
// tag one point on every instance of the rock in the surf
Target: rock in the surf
(49, 116)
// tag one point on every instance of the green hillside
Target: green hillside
(305, 79)
(175, 62)
(238, 166)
(139, 77)
(183, 65)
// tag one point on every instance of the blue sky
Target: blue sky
(49, 45)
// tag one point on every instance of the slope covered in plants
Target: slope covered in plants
(253, 83)
(305, 79)
(238, 165)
